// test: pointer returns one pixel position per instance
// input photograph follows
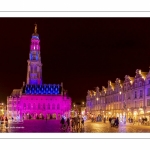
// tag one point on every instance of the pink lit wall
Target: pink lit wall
(48, 106)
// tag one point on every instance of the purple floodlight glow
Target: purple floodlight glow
(35, 44)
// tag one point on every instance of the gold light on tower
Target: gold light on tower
(35, 29)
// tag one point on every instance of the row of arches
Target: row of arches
(40, 116)
(41, 106)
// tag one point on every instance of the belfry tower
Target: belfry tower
(34, 68)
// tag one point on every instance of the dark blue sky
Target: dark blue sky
(80, 52)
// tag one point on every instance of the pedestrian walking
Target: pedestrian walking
(68, 123)
(104, 120)
(133, 121)
(6, 123)
(117, 122)
(78, 122)
(82, 122)
(110, 120)
(72, 123)
(62, 122)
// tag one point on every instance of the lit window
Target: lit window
(24, 106)
(48, 106)
(44, 106)
(29, 106)
(34, 107)
(38, 106)
(53, 106)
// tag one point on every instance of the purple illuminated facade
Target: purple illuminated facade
(36, 100)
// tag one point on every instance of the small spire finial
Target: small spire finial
(35, 28)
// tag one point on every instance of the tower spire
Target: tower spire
(34, 71)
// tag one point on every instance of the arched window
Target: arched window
(53, 106)
(48, 107)
(38, 106)
(29, 106)
(44, 106)
(135, 96)
(58, 107)
(24, 106)
(34, 106)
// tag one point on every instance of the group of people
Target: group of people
(114, 121)
(98, 118)
(139, 121)
(73, 123)
(95, 118)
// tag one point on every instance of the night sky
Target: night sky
(80, 52)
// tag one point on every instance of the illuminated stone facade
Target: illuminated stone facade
(36, 100)
(2, 109)
(124, 99)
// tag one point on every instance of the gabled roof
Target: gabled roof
(131, 78)
(144, 74)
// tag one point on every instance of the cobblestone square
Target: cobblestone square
(53, 126)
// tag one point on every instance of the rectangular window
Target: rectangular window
(148, 102)
(141, 93)
(135, 96)
(148, 92)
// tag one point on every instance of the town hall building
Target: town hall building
(35, 100)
